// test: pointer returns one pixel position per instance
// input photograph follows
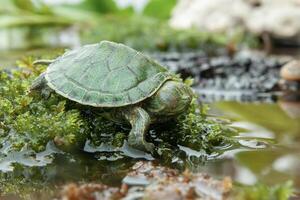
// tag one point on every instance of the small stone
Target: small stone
(291, 71)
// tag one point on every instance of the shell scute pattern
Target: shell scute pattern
(114, 83)
(106, 75)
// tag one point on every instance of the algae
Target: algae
(33, 121)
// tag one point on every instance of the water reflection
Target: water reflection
(45, 182)
(290, 104)
(269, 150)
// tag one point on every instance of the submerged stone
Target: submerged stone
(90, 191)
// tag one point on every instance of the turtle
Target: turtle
(129, 86)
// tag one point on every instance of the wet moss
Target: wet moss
(32, 121)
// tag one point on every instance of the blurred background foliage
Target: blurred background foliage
(164, 11)
(49, 24)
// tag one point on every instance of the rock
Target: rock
(209, 15)
(278, 18)
(150, 171)
(189, 186)
(90, 191)
(291, 71)
(169, 184)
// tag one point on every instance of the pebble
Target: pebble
(291, 71)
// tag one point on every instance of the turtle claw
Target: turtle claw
(141, 144)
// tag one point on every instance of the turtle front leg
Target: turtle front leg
(140, 121)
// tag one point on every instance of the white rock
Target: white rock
(280, 18)
(209, 15)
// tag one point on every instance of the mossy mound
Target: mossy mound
(31, 122)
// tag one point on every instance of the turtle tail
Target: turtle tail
(43, 62)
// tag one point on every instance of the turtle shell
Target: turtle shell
(106, 74)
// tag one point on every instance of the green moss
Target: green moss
(195, 130)
(31, 120)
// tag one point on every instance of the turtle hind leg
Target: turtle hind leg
(140, 122)
(40, 85)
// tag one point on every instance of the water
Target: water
(270, 140)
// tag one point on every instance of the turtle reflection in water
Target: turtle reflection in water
(129, 86)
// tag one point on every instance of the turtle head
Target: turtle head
(171, 99)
